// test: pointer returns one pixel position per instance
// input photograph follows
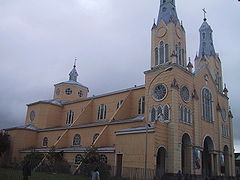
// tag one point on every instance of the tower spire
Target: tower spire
(206, 47)
(167, 12)
(73, 74)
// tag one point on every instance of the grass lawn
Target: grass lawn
(12, 174)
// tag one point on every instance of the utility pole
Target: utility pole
(146, 148)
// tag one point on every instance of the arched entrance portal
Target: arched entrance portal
(207, 161)
(161, 162)
(186, 154)
(226, 160)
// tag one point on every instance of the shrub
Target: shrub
(91, 161)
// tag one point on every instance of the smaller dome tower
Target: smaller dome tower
(71, 89)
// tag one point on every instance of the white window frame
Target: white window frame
(141, 105)
(70, 117)
(203, 106)
(102, 112)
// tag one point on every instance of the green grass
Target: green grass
(12, 174)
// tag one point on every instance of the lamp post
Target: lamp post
(146, 146)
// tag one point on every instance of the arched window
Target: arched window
(189, 116)
(183, 56)
(179, 54)
(207, 110)
(166, 113)
(69, 118)
(156, 56)
(204, 35)
(76, 140)
(182, 113)
(78, 159)
(95, 137)
(45, 142)
(159, 113)
(153, 114)
(166, 53)
(161, 52)
(119, 104)
(177, 50)
(102, 111)
(141, 105)
(185, 114)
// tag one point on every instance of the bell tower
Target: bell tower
(207, 55)
(168, 42)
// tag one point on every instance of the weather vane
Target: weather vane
(205, 12)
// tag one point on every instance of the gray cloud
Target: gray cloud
(39, 40)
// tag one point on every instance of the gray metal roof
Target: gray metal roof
(70, 150)
(103, 95)
(24, 127)
(167, 12)
(71, 82)
(50, 101)
(136, 119)
(135, 130)
(206, 41)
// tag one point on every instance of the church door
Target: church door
(119, 165)
(186, 154)
(161, 158)
(207, 163)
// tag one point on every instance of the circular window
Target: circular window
(223, 114)
(164, 9)
(185, 94)
(58, 91)
(159, 92)
(80, 93)
(32, 115)
(103, 158)
(68, 91)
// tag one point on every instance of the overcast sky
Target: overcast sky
(110, 38)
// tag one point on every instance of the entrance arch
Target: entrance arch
(186, 154)
(161, 162)
(207, 158)
(226, 160)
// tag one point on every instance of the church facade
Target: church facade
(179, 120)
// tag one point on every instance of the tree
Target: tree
(4, 143)
(90, 161)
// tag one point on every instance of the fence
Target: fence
(134, 173)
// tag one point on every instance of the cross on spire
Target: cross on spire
(205, 12)
(75, 61)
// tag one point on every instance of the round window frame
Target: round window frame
(80, 93)
(69, 91)
(153, 92)
(32, 115)
(181, 93)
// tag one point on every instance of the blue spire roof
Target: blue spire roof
(206, 42)
(167, 12)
